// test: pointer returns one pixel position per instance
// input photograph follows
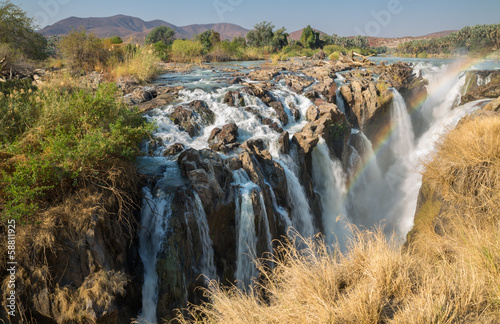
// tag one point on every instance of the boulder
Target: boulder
(284, 143)
(220, 138)
(312, 113)
(272, 124)
(280, 111)
(294, 110)
(191, 117)
(234, 99)
(173, 149)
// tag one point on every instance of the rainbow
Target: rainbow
(416, 103)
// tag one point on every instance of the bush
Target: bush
(162, 51)
(187, 51)
(161, 34)
(63, 138)
(142, 64)
(115, 40)
(334, 56)
(17, 30)
(83, 52)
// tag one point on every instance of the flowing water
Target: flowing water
(380, 184)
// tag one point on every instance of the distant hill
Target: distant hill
(297, 34)
(393, 42)
(135, 29)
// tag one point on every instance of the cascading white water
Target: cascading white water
(246, 237)
(302, 219)
(424, 147)
(154, 215)
(207, 265)
(379, 189)
(401, 140)
(329, 182)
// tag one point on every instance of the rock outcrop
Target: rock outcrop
(224, 139)
(191, 117)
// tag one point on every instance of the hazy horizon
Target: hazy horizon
(385, 18)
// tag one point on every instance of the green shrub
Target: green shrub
(187, 51)
(334, 56)
(115, 40)
(162, 50)
(67, 138)
(161, 34)
(82, 51)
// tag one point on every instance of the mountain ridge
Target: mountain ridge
(134, 29)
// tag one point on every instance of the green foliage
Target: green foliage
(187, 51)
(280, 39)
(334, 56)
(310, 38)
(82, 51)
(261, 35)
(162, 50)
(115, 40)
(239, 41)
(161, 34)
(347, 42)
(18, 30)
(208, 39)
(62, 138)
(476, 39)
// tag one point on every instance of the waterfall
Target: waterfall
(329, 182)
(424, 147)
(246, 237)
(402, 137)
(207, 265)
(154, 216)
(302, 219)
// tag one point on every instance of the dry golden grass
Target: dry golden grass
(450, 277)
(143, 64)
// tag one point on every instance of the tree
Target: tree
(239, 41)
(208, 39)
(310, 38)
(18, 30)
(262, 35)
(161, 34)
(280, 39)
(82, 51)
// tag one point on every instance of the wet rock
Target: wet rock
(280, 111)
(234, 99)
(284, 143)
(272, 124)
(236, 80)
(220, 139)
(368, 106)
(262, 91)
(166, 96)
(265, 74)
(481, 85)
(173, 149)
(140, 95)
(296, 83)
(294, 110)
(191, 117)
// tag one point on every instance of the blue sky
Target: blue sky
(383, 18)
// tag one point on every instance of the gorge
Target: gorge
(242, 153)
